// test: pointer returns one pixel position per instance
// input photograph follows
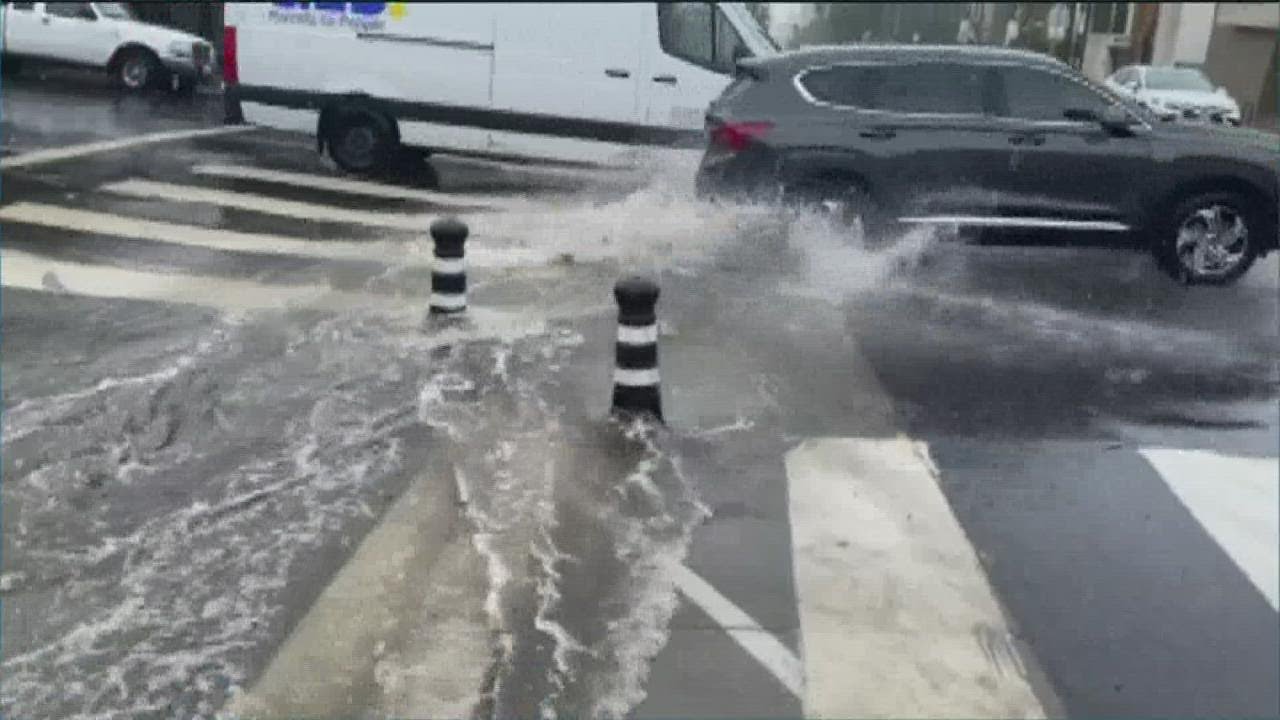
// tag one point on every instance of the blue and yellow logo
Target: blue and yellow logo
(365, 15)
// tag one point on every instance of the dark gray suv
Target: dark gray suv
(976, 137)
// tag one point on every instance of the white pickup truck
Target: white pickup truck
(103, 35)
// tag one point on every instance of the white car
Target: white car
(1176, 93)
(103, 35)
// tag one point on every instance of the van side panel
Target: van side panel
(429, 52)
(567, 81)
(578, 60)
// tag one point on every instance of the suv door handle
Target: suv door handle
(1034, 139)
(617, 73)
(665, 79)
(880, 133)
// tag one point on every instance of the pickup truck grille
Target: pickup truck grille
(1206, 113)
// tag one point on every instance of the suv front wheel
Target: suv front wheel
(1206, 240)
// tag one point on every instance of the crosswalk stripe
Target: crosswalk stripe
(1235, 499)
(755, 640)
(891, 594)
(354, 187)
(269, 205)
(40, 157)
(20, 269)
(404, 253)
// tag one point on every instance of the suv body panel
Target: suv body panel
(981, 167)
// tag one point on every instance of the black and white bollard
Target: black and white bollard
(449, 268)
(635, 377)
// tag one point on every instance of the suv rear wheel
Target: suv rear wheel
(1209, 238)
(845, 203)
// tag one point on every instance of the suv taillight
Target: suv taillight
(737, 137)
(230, 61)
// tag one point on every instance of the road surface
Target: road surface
(246, 474)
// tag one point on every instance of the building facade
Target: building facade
(1241, 55)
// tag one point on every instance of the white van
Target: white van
(565, 81)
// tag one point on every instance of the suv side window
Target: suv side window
(22, 6)
(1031, 94)
(947, 88)
(699, 33)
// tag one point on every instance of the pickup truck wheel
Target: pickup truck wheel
(360, 142)
(137, 70)
(1209, 238)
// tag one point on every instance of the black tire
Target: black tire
(137, 71)
(1227, 258)
(186, 87)
(361, 142)
(846, 203)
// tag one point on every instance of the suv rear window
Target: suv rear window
(907, 88)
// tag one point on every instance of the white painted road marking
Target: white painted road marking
(1237, 501)
(388, 252)
(397, 632)
(354, 187)
(897, 618)
(33, 272)
(758, 642)
(40, 157)
(269, 205)
(25, 270)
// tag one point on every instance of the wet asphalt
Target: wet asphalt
(159, 453)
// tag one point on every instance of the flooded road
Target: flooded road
(221, 386)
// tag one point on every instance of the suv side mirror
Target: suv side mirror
(1080, 115)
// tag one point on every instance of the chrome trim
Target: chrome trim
(1016, 222)
(426, 40)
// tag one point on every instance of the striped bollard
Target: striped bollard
(635, 378)
(449, 268)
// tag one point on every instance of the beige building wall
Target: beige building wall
(1242, 56)
(1183, 33)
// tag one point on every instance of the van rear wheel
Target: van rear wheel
(360, 142)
